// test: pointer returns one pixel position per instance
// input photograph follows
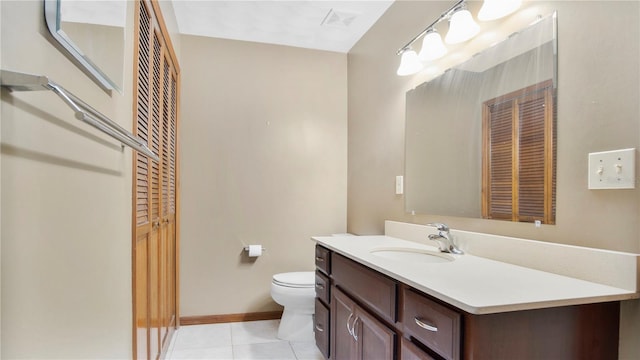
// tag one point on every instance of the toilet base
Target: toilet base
(296, 326)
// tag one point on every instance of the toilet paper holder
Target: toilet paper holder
(246, 248)
(255, 250)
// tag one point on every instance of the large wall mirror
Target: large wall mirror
(92, 32)
(480, 138)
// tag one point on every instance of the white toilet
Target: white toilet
(296, 292)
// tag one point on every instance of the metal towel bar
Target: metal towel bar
(16, 81)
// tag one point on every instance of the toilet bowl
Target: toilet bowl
(296, 292)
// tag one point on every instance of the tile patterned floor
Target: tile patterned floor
(244, 340)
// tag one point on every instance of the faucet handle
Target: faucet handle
(440, 226)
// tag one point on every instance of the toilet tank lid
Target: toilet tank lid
(295, 279)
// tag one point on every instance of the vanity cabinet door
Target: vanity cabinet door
(373, 339)
(355, 334)
(342, 317)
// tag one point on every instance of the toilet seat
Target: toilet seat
(300, 279)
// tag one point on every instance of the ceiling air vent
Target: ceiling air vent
(339, 19)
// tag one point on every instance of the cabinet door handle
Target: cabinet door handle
(319, 259)
(424, 325)
(319, 328)
(349, 328)
(319, 286)
(355, 331)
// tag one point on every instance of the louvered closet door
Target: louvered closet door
(143, 222)
(155, 243)
(167, 203)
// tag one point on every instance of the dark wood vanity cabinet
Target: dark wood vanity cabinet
(372, 316)
(357, 334)
(322, 318)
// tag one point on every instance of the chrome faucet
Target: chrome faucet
(444, 239)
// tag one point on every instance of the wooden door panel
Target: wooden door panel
(154, 308)
(342, 316)
(375, 340)
(141, 293)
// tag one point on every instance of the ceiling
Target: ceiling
(313, 24)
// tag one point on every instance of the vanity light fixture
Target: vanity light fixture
(496, 9)
(432, 46)
(462, 27)
(409, 63)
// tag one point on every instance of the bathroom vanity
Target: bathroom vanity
(466, 307)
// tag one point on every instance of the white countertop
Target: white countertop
(474, 284)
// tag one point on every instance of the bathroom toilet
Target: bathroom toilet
(296, 292)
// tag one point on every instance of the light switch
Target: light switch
(399, 185)
(614, 169)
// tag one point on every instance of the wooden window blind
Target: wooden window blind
(519, 155)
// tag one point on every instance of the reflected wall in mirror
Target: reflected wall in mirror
(444, 163)
(92, 32)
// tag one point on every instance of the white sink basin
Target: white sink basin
(412, 255)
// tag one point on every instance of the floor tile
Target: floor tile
(306, 351)
(216, 353)
(202, 336)
(254, 332)
(280, 350)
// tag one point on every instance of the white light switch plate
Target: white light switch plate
(399, 185)
(614, 169)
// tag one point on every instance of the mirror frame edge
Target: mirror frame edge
(51, 11)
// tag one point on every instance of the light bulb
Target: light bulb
(462, 27)
(432, 46)
(496, 9)
(409, 63)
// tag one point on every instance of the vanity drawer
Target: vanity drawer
(366, 285)
(321, 328)
(323, 259)
(434, 325)
(323, 287)
(408, 351)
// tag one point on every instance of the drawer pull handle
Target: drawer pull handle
(424, 325)
(348, 327)
(319, 286)
(319, 328)
(319, 259)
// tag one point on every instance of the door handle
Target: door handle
(420, 322)
(348, 328)
(355, 331)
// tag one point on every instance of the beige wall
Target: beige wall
(66, 205)
(263, 161)
(599, 76)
